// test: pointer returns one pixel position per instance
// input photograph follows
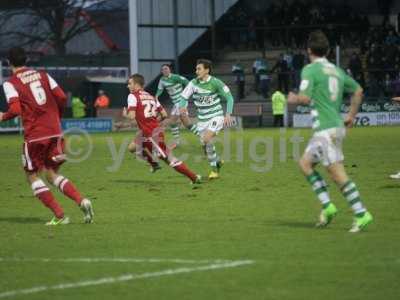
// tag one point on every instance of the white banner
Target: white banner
(362, 119)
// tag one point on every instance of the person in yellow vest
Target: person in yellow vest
(278, 108)
(78, 108)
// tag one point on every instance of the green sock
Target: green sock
(212, 156)
(352, 195)
(319, 186)
(193, 128)
(175, 131)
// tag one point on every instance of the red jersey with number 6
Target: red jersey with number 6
(147, 109)
(40, 100)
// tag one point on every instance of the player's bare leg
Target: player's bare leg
(66, 187)
(42, 192)
(139, 151)
(187, 122)
(210, 151)
(338, 174)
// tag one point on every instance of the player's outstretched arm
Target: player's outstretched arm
(396, 99)
(356, 100)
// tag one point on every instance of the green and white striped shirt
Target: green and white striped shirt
(207, 96)
(174, 84)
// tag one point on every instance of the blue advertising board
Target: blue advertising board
(88, 124)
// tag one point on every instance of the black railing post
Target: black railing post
(176, 36)
(213, 29)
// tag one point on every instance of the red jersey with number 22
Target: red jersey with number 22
(147, 109)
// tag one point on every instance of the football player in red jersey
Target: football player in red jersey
(37, 98)
(144, 110)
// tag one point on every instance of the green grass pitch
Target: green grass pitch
(248, 235)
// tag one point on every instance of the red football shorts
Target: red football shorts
(45, 154)
(152, 145)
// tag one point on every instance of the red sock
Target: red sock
(41, 191)
(68, 189)
(183, 169)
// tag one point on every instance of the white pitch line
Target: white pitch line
(115, 260)
(123, 278)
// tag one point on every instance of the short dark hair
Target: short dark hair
(207, 64)
(17, 57)
(138, 78)
(167, 65)
(318, 43)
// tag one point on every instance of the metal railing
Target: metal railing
(79, 71)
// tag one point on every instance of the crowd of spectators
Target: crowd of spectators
(288, 24)
(374, 62)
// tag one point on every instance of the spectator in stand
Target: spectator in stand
(332, 54)
(374, 63)
(355, 68)
(236, 20)
(288, 57)
(242, 21)
(260, 34)
(238, 72)
(365, 25)
(78, 107)
(387, 86)
(298, 64)
(273, 21)
(393, 59)
(396, 86)
(252, 32)
(234, 35)
(264, 82)
(392, 38)
(319, 13)
(260, 66)
(386, 66)
(374, 89)
(102, 101)
(282, 68)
